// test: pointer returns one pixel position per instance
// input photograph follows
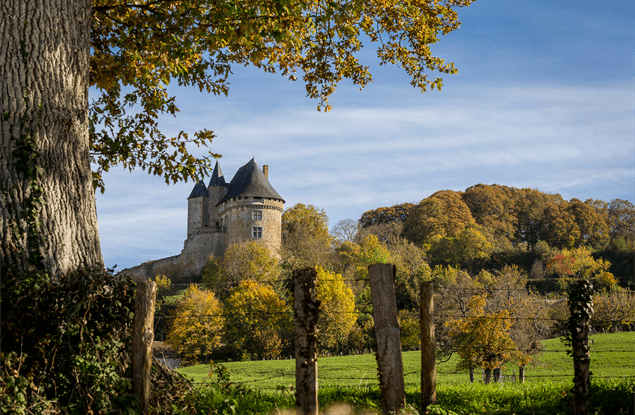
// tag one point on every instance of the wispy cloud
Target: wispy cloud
(576, 141)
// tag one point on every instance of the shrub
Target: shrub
(64, 343)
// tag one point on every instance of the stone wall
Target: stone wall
(174, 267)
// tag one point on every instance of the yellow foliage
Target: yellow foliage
(410, 330)
(198, 325)
(243, 261)
(569, 264)
(613, 309)
(338, 314)
(258, 321)
(468, 245)
(357, 257)
(482, 339)
(164, 285)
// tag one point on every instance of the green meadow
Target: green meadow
(611, 355)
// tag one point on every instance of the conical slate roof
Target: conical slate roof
(217, 177)
(251, 181)
(199, 190)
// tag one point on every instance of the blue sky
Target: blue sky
(544, 98)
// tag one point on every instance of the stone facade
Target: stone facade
(220, 215)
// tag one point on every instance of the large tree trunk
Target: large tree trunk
(44, 57)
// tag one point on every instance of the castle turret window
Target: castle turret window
(256, 232)
(256, 214)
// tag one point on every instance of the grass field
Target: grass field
(611, 355)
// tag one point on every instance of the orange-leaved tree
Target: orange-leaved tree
(482, 339)
(198, 325)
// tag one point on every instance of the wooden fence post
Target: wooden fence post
(307, 310)
(581, 309)
(388, 334)
(428, 346)
(142, 338)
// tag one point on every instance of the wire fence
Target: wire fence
(536, 316)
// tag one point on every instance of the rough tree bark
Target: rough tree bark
(387, 333)
(44, 58)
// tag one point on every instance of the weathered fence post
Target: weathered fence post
(581, 309)
(428, 350)
(142, 338)
(388, 334)
(307, 309)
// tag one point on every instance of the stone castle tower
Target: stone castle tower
(222, 214)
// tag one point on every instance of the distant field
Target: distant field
(611, 355)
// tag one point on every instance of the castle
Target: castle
(220, 215)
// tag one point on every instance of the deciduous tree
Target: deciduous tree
(492, 206)
(385, 215)
(483, 338)
(198, 327)
(412, 268)
(346, 230)
(466, 247)
(613, 310)
(443, 213)
(355, 258)
(258, 322)
(243, 261)
(592, 226)
(338, 315)
(132, 51)
(306, 240)
(621, 218)
(570, 264)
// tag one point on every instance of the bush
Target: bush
(64, 343)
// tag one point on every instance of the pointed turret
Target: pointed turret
(217, 177)
(251, 181)
(199, 190)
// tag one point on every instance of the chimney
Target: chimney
(265, 170)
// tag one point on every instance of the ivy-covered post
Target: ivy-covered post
(307, 310)
(581, 309)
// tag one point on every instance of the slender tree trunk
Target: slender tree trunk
(497, 374)
(44, 142)
(471, 375)
(521, 374)
(488, 376)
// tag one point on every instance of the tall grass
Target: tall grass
(608, 397)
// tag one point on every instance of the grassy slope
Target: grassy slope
(611, 355)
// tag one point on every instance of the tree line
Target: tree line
(494, 252)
